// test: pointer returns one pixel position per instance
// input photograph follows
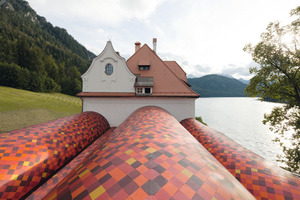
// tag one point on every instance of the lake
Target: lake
(241, 120)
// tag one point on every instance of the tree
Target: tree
(51, 68)
(278, 77)
(23, 54)
(36, 56)
(72, 84)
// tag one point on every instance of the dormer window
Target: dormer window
(144, 68)
(144, 85)
(143, 91)
(109, 69)
(144, 65)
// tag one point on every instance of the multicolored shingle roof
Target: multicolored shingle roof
(149, 156)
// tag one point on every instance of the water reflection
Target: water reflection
(241, 120)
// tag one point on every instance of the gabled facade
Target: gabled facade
(115, 88)
(108, 73)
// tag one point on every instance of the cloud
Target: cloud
(236, 70)
(190, 69)
(202, 69)
(198, 70)
(239, 71)
(97, 12)
(202, 36)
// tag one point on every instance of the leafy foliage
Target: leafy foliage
(278, 78)
(217, 86)
(40, 56)
(200, 120)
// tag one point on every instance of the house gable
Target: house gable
(116, 89)
(108, 73)
(165, 80)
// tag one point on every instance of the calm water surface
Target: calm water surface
(241, 120)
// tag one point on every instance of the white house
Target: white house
(116, 88)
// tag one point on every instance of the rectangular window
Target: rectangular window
(147, 90)
(144, 67)
(139, 90)
(143, 91)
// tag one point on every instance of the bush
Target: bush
(200, 120)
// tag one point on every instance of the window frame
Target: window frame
(144, 67)
(150, 90)
(142, 91)
(109, 69)
(139, 90)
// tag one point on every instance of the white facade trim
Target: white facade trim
(116, 110)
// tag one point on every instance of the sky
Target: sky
(203, 36)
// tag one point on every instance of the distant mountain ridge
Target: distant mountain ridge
(35, 55)
(217, 86)
(244, 81)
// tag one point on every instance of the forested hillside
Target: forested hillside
(36, 56)
(217, 86)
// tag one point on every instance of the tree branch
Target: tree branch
(291, 80)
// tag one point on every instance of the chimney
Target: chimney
(137, 46)
(154, 44)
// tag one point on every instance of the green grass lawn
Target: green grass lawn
(21, 108)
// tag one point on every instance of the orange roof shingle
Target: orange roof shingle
(173, 65)
(169, 78)
(105, 94)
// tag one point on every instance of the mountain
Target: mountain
(240, 79)
(35, 55)
(244, 81)
(226, 75)
(217, 86)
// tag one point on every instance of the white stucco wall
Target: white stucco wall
(116, 110)
(96, 80)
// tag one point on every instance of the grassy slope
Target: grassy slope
(20, 108)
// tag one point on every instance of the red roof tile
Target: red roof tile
(118, 94)
(168, 78)
(173, 65)
(105, 94)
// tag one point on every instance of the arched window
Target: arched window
(109, 69)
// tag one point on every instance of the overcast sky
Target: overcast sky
(203, 36)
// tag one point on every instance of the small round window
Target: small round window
(109, 69)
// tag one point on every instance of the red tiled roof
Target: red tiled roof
(118, 94)
(168, 81)
(173, 65)
(144, 62)
(105, 94)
